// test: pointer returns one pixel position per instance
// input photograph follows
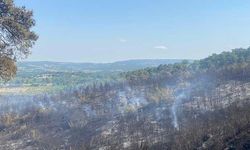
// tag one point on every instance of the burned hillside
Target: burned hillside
(198, 105)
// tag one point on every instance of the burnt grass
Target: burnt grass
(209, 118)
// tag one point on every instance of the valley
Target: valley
(46, 77)
(187, 105)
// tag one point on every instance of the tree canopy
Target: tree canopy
(233, 64)
(16, 36)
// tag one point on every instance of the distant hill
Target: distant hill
(129, 65)
(40, 76)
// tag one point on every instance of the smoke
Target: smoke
(21, 104)
(183, 93)
(130, 100)
(178, 100)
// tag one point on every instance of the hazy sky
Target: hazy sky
(111, 30)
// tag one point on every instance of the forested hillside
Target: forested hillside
(189, 105)
(226, 65)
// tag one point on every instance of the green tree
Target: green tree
(16, 37)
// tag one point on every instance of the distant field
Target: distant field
(43, 77)
(27, 90)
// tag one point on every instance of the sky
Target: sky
(114, 30)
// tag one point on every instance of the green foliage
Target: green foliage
(16, 37)
(225, 65)
(7, 68)
(216, 61)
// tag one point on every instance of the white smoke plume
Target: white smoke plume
(174, 108)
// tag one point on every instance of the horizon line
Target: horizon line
(79, 62)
